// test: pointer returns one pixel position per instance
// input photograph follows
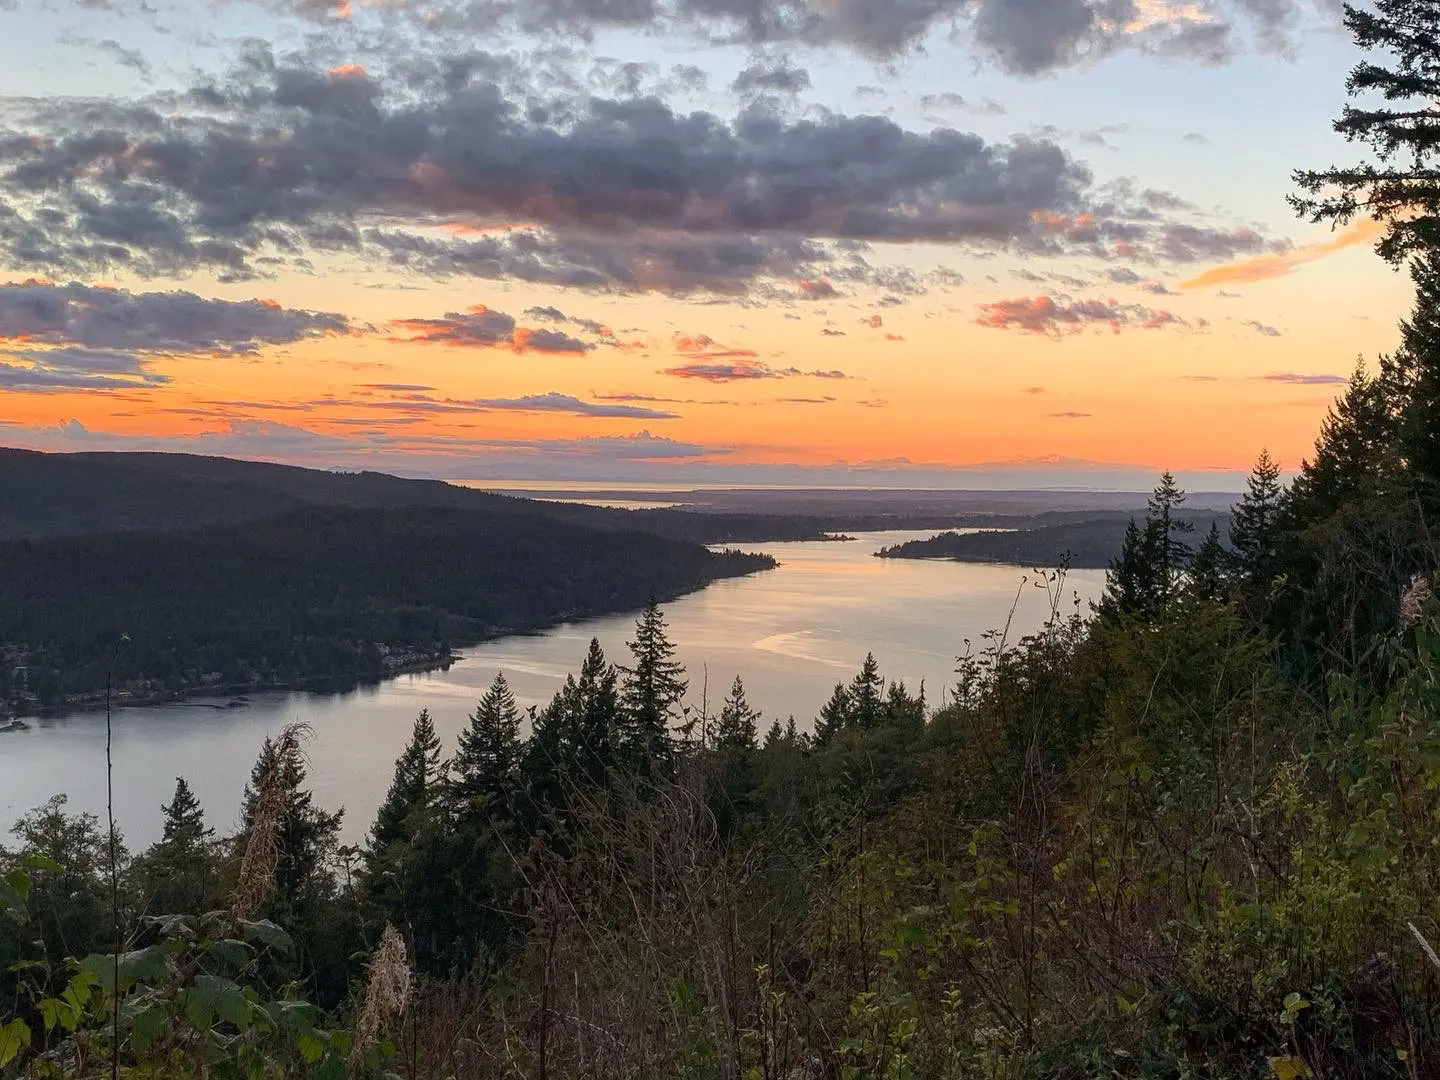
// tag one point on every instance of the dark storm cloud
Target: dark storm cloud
(174, 322)
(441, 172)
(1023, 36)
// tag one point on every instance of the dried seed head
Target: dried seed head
(1413, 600)
(385, 994)
(256, 880)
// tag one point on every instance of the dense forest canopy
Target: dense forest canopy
(1190, 836)
(315, 594)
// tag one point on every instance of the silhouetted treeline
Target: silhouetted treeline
(316, 594)
(1090, 543)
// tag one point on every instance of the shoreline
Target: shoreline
(332, 683)
(237, 692)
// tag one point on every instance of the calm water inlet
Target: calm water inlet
(791, 633)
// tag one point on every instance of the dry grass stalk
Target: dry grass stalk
(256, 881)
(1412, 602)
(1425, 946)
(385, 994)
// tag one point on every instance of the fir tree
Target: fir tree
(1398, 187)
(1127, 590)
(653, 690)
(1414, 377)
(867, 704)
(1255, 518)
(1354, 455)
(415, 788)
(308, 835)
(1166, 554)
(576, 737)
(775, 736)
(1207, 568)
(738, 724)
(179, 874)
(184, 818)
(483, 771)
(902, 710)
(835, 715)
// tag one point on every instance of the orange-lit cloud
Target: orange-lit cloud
(484, 328)
(1264, 267)
(1044, 315)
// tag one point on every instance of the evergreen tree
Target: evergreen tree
(653, 690)
(867, 703)
(1354, 458)
(902, 710)
(1127, 590)
(1166, 554)
(576, 737)
(484, 770)
(184, 818)
(835, 715)
(1254, 520)
(414, 791)
(1398, 186)
(308, 835)
(1207, 569)
(775, 735)
(180, 873)
(1414, 377)
(738, 725)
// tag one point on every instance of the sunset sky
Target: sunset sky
(912, 243)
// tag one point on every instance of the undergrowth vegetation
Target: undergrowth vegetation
(1194, 833)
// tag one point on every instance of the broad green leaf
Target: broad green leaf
(39, 862)
(332, 1068)
(311, 1047)
(14, 1037)
(212, 998)
(267, 933)
(58, 1013)
(230, 951)
(141, 965)
(147, 1026)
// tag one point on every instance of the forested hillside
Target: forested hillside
(333, 595)
(1090, 543)
(1192, 834)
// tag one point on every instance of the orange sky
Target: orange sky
(924, 380)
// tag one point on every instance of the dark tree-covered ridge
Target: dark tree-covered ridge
(318, 594)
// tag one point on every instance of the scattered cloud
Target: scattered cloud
(1279, 264)
(484, 328)
(1045, 315)
(1262, 328)
(1298, 379)
(777, 76)
(745, 370)
(75, 368)
(40, 312)
(1071, 415)
(554, 402)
